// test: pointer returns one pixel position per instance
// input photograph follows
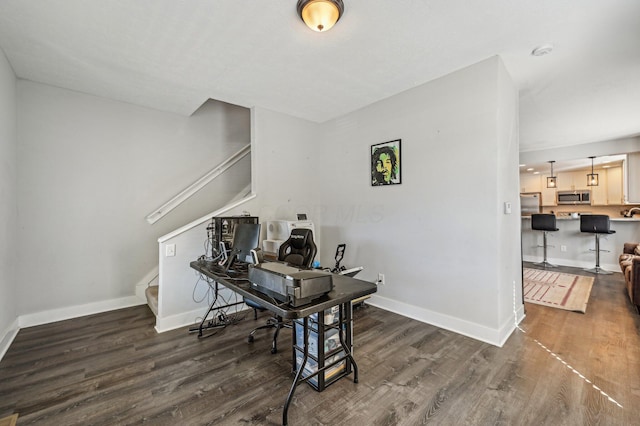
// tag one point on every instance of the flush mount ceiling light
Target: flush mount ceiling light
(551, 180)
(320, 15)
(592, 178)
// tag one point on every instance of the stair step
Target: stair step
(152, 298)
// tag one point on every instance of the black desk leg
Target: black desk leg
(349, 329)
(221, 316)
(201, 326)
(299, 372)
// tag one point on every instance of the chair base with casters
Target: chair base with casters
(275, 322)
(545, 223)
(597, 224)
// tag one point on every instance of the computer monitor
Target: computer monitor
(246, 237)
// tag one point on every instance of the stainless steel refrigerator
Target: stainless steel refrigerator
(530, 203)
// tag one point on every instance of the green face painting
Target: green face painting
(384, 166)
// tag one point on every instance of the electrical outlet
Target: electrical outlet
(381, 278)
(170, 250)
(563, 248)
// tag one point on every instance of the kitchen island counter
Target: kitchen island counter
(570, 247)
(613, 219)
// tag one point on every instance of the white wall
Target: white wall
(508, 189)
(450, 255)
(8, 204)
(283, 163)
(90, 170)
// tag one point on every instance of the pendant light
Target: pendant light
(592, 178)
(320, 15)
(552, 181)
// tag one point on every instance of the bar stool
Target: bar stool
(597, 224)
(546, 223)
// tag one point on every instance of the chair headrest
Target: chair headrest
(300, 238)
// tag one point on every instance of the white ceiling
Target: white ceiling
(173, 55)
(573, 165)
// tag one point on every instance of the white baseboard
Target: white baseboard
(7, 337)
(520, 315)
(185, 319)
(53, 315)
(574, 263)
(495, 337)
(510, 325)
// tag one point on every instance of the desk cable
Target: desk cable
(222, 316)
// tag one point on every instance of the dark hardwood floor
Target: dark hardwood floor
(561, 368)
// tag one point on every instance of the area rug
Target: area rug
(9, 421)
(557, 290)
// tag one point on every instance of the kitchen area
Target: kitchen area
(608, 185)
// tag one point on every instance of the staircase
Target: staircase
(152, 289)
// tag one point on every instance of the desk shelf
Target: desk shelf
(325, 353)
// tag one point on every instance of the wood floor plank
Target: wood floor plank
(559, 368)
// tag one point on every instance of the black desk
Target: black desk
(345, 289)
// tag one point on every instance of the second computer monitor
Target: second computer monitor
(246, 237)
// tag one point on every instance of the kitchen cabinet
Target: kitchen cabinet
(564, 181)
(609, 189)
(529, 182)
(572, 181)
(599, 194)
(548, 194)
(614, 186)
(631, 186)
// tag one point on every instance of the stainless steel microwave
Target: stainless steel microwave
(574, 197)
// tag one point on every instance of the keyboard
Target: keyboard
(236, 270)
(218, 270)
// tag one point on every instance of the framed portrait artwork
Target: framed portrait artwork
(385, 163)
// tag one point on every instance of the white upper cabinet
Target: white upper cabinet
(614, 186)
(618, 179)
(600, 193)
(529, 182)
(632, 179)
(607, 193)
(572, 181)
(548, 194)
